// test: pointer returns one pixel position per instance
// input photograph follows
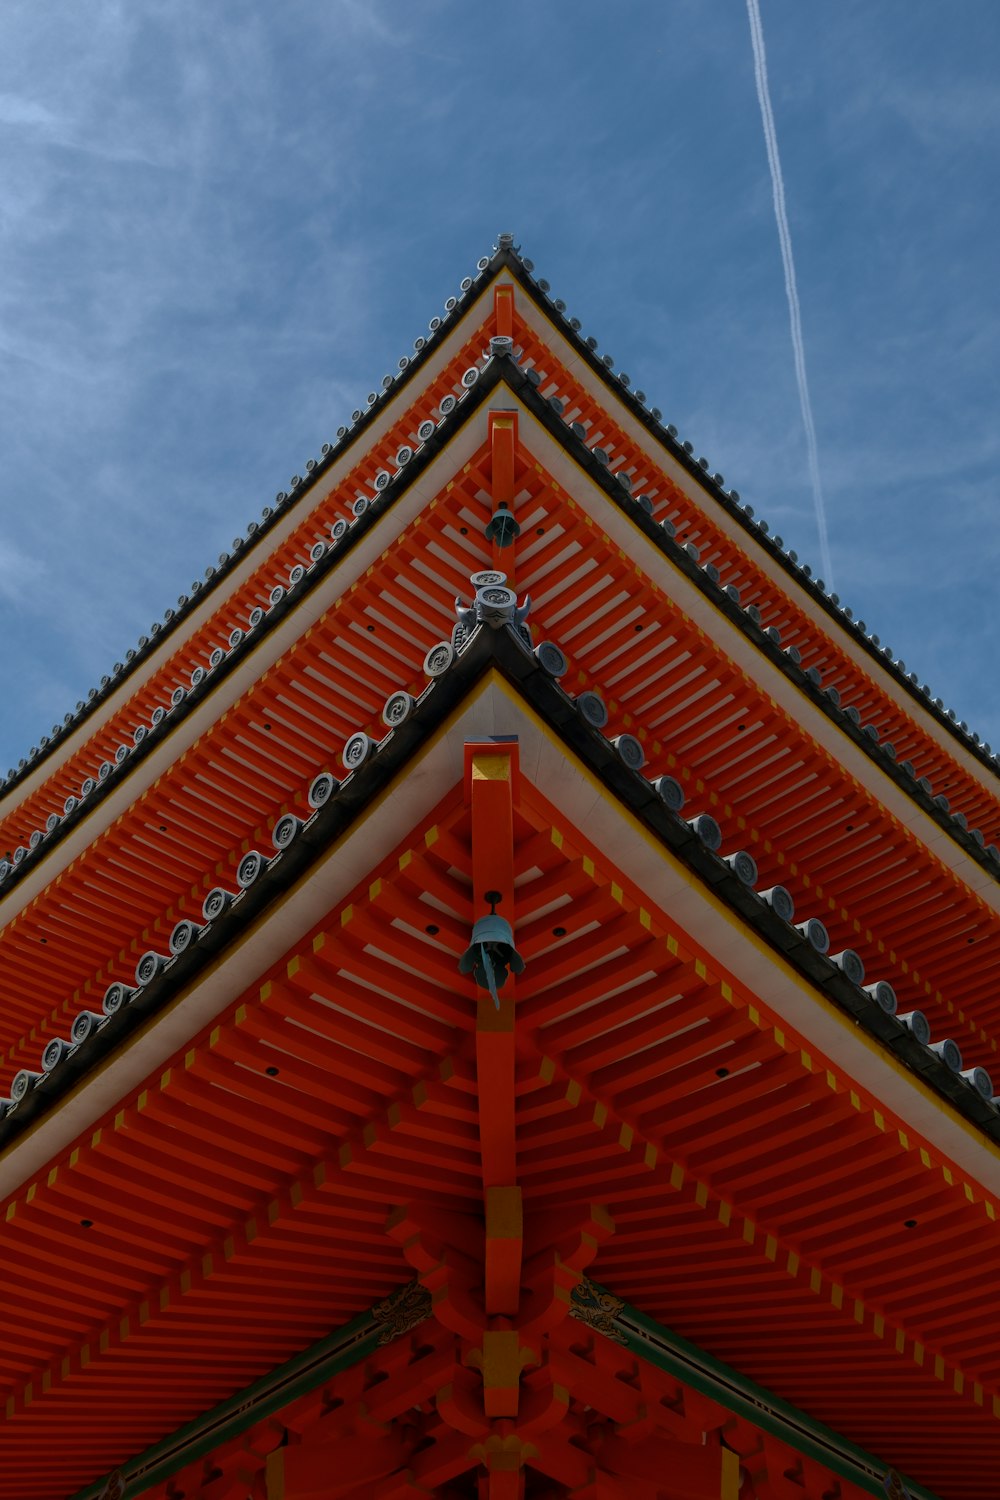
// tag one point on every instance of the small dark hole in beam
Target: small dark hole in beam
(86, 1223)
(909, 1223)
(722, 1072)
(432, 929)
(558, 932)
(271, 1072)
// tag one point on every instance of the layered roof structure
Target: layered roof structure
(305, 1194)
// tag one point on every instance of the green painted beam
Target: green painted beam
(649, 1340)
(591, 1304)
(297, 1377)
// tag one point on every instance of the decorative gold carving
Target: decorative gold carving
(402, 1311)
(114, 1487)
(597, 1309)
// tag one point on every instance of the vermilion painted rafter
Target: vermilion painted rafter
(801, 824)
(714, 1201)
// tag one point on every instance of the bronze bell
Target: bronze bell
(491, 955)
(502, 528)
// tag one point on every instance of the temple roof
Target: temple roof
(506, 257)
(746, 1063)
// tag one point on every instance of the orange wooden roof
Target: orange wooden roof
(622, 1372)
(695, 512)
(879, 885)
(793, 1219)
(263, 1163)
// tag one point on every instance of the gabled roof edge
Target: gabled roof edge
(271, 877)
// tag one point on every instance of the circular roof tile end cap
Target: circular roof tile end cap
(24, 1082)
(814, 932)
(250, 868)
(84, 1025)
(670, 791)
(324, 786)
(980, 1080)
(592, 709)
(551, 658)
(183, 936)
(397, 709)
(630, 751)
(116, 996)
(357, 750)
(949, 1052)
(53, 1053)
(780, 901)
(148, 967)
(743, 866)
(215, 903)
(917, 1025)
(883, 995)
(850, 964)
(439, 658)
(707, 829)
(286, 831)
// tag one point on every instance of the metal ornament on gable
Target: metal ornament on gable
(494, 605)
(491, 955)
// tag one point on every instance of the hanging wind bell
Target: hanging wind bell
(491, 955)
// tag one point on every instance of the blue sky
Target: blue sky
(221, 223)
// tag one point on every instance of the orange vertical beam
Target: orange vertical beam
(503, 441)
(503, 310)
(504, 1250)
(490, 779)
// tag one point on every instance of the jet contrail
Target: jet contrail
(794, 316)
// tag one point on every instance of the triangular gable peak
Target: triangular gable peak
(681, 665)
(504, 298)
(795, 1178)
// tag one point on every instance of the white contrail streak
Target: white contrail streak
(791, 290)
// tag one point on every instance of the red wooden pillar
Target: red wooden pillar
(490, 775)
(503, 443)
(503, 309)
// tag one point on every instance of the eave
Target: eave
(662, 856)
(664, 564)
